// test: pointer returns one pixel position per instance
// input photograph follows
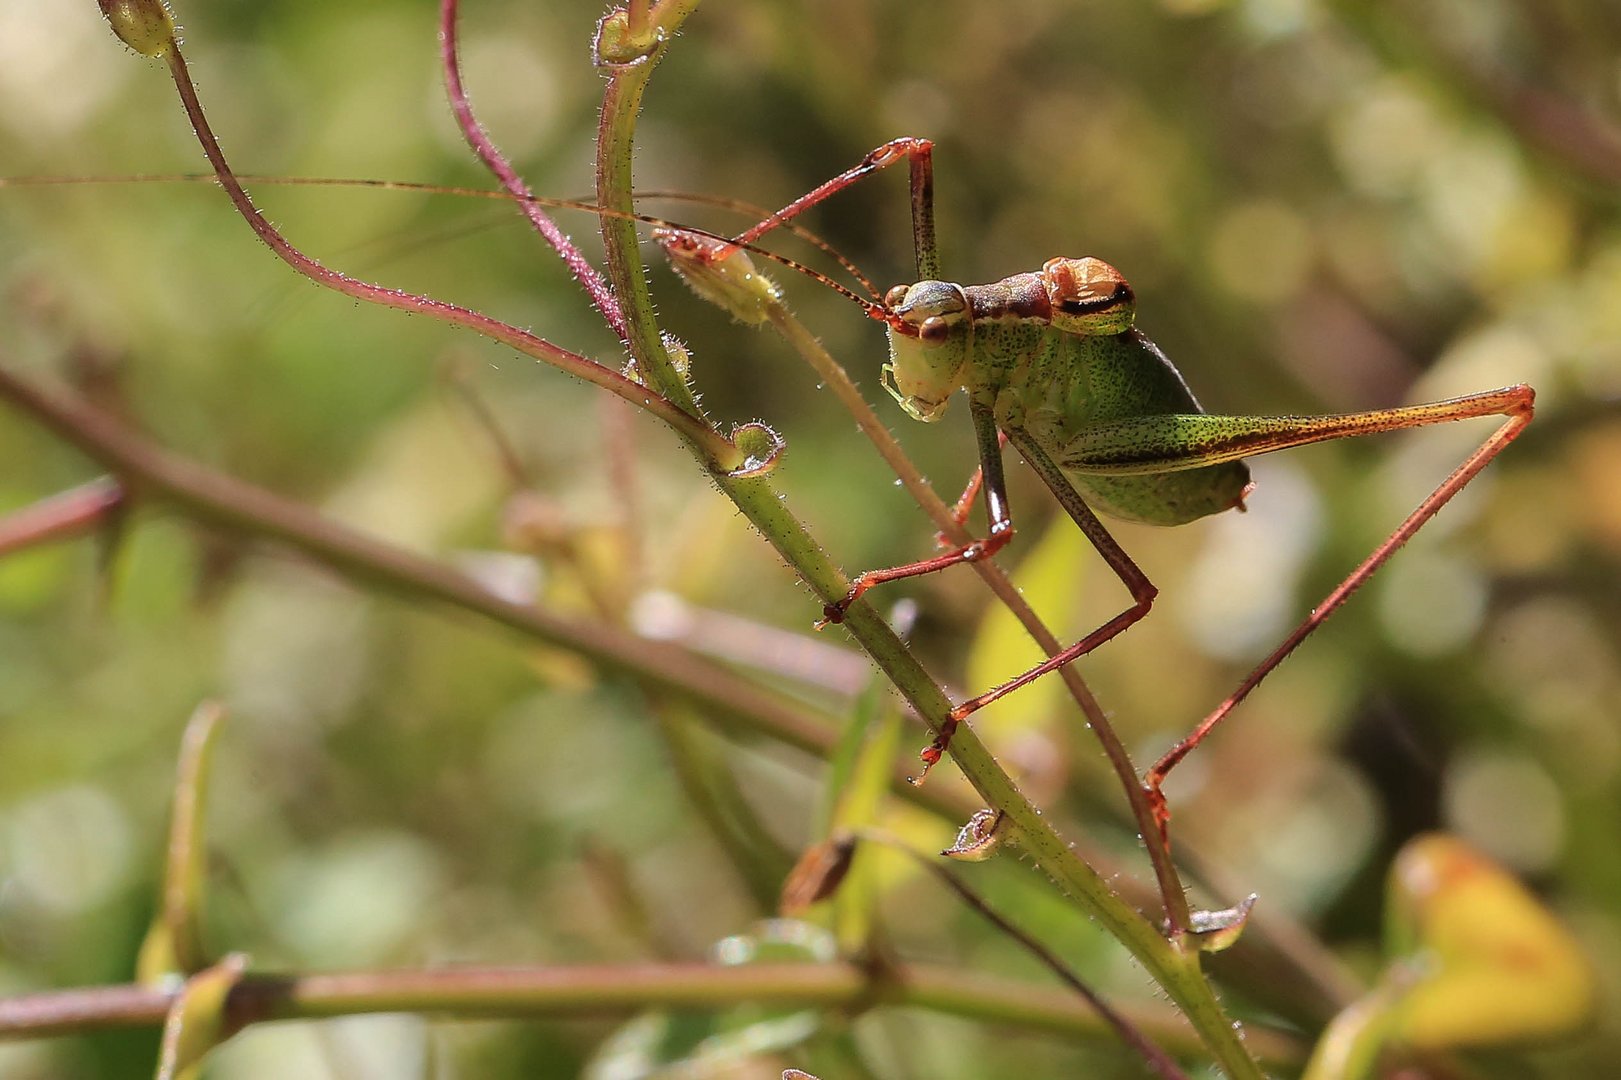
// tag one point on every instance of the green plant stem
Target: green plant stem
(623, 97)
(483, 992)
(1176, 969)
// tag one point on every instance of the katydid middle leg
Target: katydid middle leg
(1143, 591)
(994, 486)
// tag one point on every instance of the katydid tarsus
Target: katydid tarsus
(1052, 362)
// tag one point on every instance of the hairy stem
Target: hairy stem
(595, 286)
(1174, 968)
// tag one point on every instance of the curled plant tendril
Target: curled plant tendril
(762, 449)
(980, 838)
(615, 46)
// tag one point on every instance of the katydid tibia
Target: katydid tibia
(1051, 362)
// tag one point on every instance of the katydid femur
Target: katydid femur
(1053, 364)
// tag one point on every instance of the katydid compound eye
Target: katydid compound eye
(934, 329)
(893, 298)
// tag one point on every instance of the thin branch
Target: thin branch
(602, 297)
(482, 992)
(63, 516)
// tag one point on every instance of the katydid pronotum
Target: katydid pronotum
(1052, 363)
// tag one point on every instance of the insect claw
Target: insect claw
(979, 839)
(932, 753)
(931, 756)
(1160, 809)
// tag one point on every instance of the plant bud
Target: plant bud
(721, 273)
(144, 25)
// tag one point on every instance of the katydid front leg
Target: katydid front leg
(987, 478)
(993, 482)
(971, 552)
(965, 502)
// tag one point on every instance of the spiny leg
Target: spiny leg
(1516, 404)
(1143, 591)
(920, 152)
(1205, 444)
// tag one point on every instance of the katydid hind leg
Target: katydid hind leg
(1172, 443)
(1516, 403)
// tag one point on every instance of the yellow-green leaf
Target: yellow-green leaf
(1489, 963)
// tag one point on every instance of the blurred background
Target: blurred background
(1323, 206)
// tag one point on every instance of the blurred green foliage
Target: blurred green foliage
(1323, 206)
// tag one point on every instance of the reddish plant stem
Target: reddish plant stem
(62, 516)
(602, 296)
(721, 452)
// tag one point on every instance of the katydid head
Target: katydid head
(1088, 296)
(930, 330)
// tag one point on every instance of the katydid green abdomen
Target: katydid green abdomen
(1075, 382)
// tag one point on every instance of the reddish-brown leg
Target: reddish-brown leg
(1142, 590)
(920, 153)
(1000, 533)
(1518, 408)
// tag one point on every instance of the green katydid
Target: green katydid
(1051, 362)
